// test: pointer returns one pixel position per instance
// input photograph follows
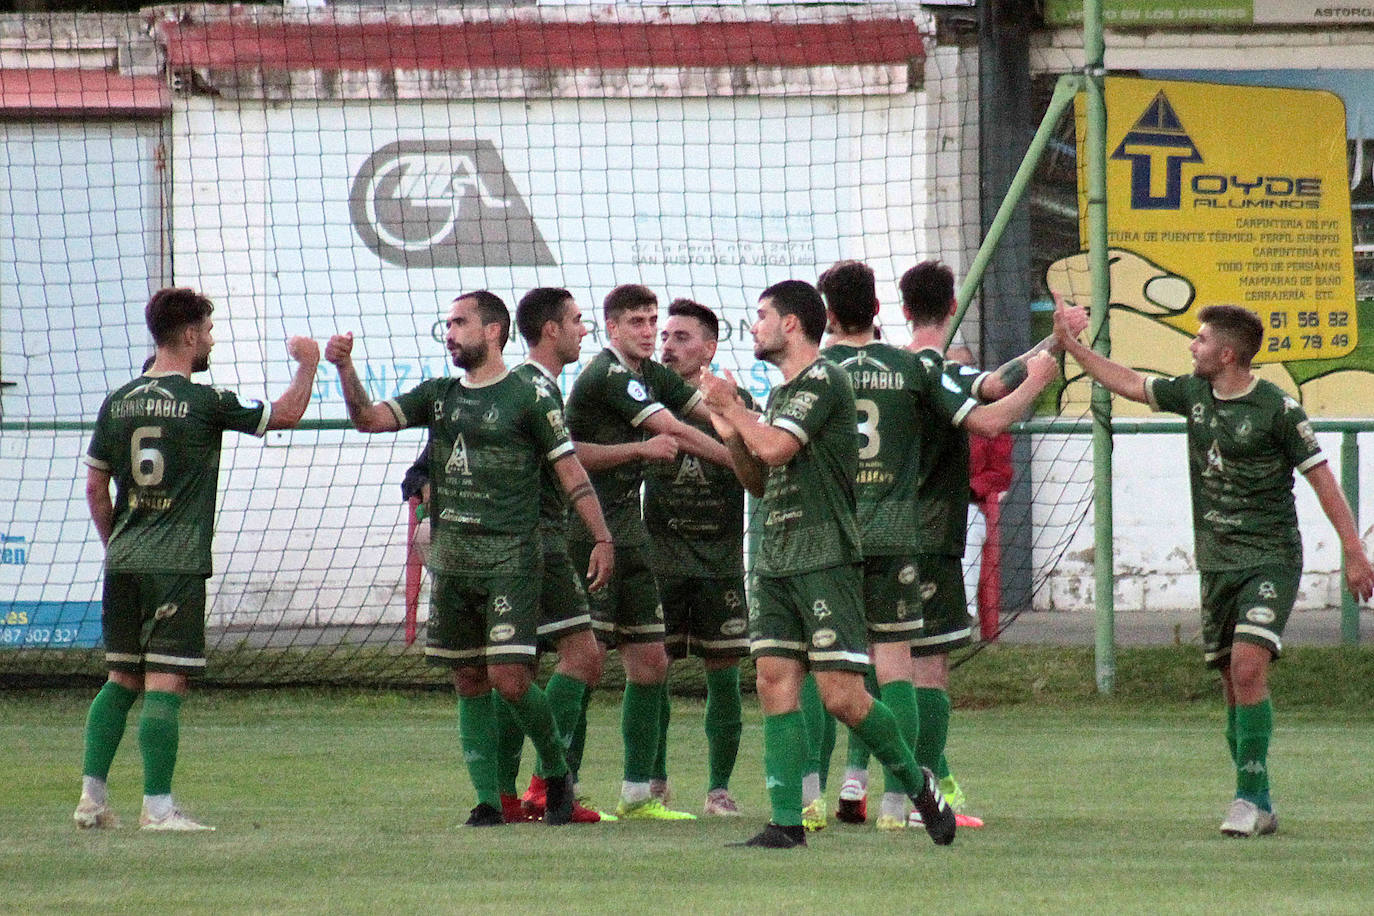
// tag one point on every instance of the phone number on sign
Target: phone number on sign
(38, 636)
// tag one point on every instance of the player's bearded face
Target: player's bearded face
(769, 341)
(1206, 350)
(571, 330)
(466, 344)
(204, 342)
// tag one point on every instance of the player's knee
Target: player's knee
(511, 681)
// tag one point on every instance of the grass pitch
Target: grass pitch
(350, 802)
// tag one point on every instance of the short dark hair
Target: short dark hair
(172, 309)
(537, 308)
(927, 290)
(491, 309)
(797, 297)
(689, 308)
(850, 290)
(625, 298)
(1240, 328)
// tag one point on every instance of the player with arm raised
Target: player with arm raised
(806, 610)
(158, 439)
(491, 433)
(1245, 439)
(620, 413)
(694, 510)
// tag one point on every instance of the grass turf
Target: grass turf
(350, 801)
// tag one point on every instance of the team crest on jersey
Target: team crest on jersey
(690, 471)
(1244, 428)
(491, 416)
(823, 639)
(635, 390)
(1268, 591)
(820, 610)
(817, 372)
(501, 605)
(732, 599)
(1199, 413)
(458, 459)
(542, 386)
(1260, 615)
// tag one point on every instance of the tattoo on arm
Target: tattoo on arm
(1013, 373)
(580, 492)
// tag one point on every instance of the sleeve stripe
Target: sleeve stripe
(1311, 463)
(264, 420)
(646, 413)
(964, 410)
(397, 412)
(1150, 393)
(558, 451)
(692, 402)
(977, 387)
(786, 424)
(95, 463)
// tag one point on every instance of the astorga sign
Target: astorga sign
(425, 204)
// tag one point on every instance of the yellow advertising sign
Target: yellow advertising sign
(1234, 194)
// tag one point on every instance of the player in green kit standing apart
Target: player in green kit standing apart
(620, 413)
(802, 457)
(491, 434)
(694, 511)
(909, 405)
(1245, 439)
(158, 439)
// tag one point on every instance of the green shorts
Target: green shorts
(814, 617)
(1246, 605)
(707, 617)
(154, 622)
(483, 620)
(945, 606)
(627, 610)
(892, 598)
(562, 600)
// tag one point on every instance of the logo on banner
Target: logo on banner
(1157, 146)
(424, 204)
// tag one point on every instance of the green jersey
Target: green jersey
(1242, 452)
(808, 508)
(694, 510)
(608, 405)
(489, 445)
(892, 389)
(158, 437)
(553, 502)
(944, 492)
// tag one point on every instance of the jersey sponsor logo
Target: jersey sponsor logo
(165, 611)
(461, 518)
(735, 626)
(1215, 465)
(501, 605)
(149, 399)
(502, 632)
(635, 390)
(820, 610)
(928, 590)
(823, 639)
(690, 471)
(798, 405)
(555, 418)
(1261, 615)
(1309, 438)
(907, 574)
(458, 459)
(443, 203)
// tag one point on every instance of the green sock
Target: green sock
(934, 706)
(477, 730)
(900, 698)
(1231, 732)
(158, 737)
(813, 718)
(783, 762)
(578, 744)
(536, 719)
(639, 716)
(565, 700)
(880, 732)
(857, 757)
(1254, 728)
(723, 724)
(510, 743)
(105, 728)
(665, 715)
(942, 768)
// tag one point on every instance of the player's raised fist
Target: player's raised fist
(662, 447)
(339, 350)
(303, 350)
(1042, 367)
